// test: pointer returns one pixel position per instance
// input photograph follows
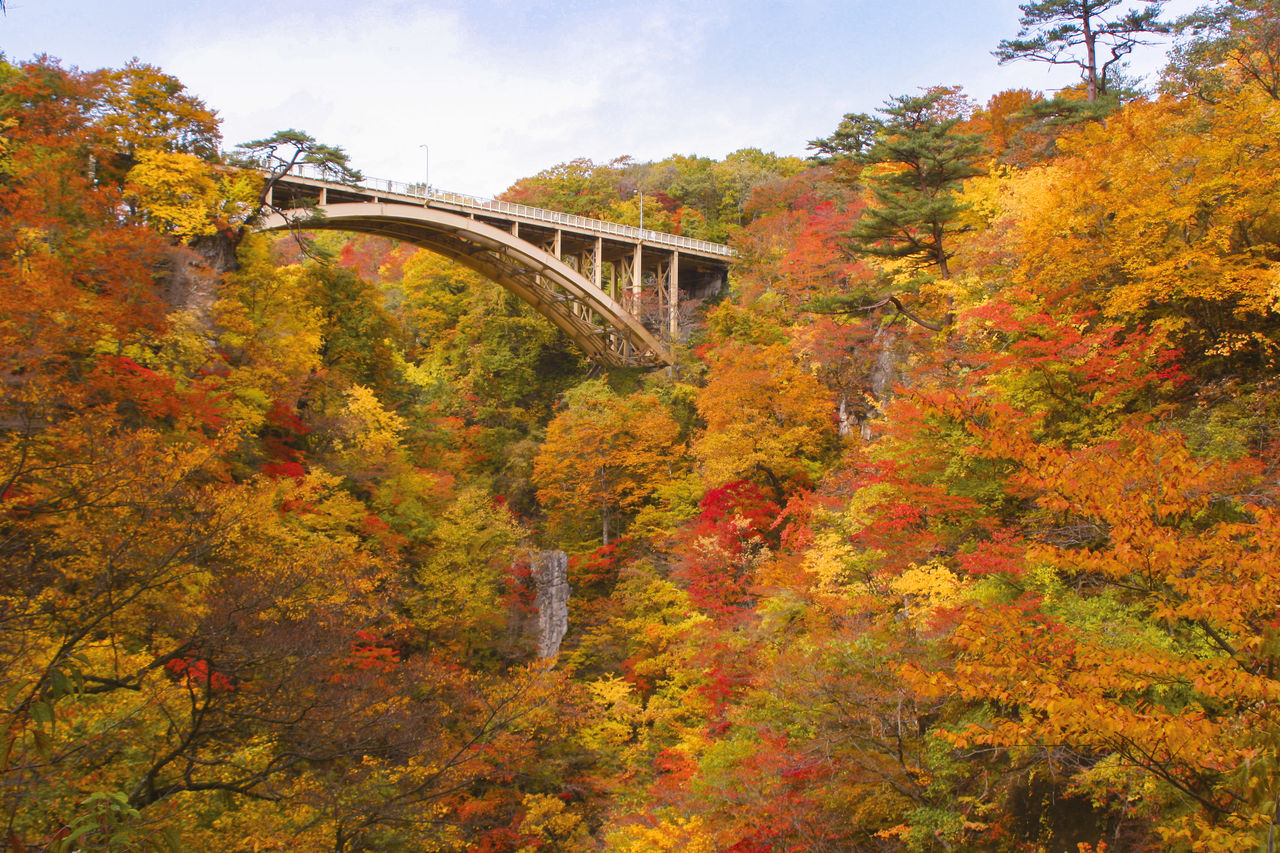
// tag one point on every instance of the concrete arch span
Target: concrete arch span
(603, 329)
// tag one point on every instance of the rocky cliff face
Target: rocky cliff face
(188, 276)
(550, 573)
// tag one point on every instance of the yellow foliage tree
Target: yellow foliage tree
(176, 193)
(1166, 210)
(603, 456)
(144, 109)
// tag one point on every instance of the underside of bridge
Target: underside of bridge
(562, 275)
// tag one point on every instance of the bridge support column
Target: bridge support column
(597, 263)
(666, 290)
(626, 277)
(637, 278)
(673, 297)
(591, 264)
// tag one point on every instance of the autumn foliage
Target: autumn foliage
(954, 528)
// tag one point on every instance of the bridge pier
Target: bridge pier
(628, 278)
(643, 269)
(673, 300)
(597, 263)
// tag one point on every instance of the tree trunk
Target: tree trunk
(1091, 49)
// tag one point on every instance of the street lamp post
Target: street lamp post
(426, 192)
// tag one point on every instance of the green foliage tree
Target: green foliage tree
(465, 574)
(917, 162)
(359, 336)
(913, 160)
(578, 186)
(1220, 43)
(697, 196)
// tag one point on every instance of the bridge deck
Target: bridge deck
(396, 192)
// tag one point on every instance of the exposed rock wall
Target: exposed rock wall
(550, 574)
(188, 276)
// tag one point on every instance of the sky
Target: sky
(497, 90)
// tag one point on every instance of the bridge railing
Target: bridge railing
(525, 212)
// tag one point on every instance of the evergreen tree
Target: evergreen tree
(914, 166)
(1053, 30)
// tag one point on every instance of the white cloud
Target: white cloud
(500, 89)
(490, 112)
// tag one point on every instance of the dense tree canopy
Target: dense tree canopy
(271, 521)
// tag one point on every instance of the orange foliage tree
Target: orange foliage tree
(603, 456)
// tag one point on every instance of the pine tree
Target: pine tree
(915, 165)
(1052, 31)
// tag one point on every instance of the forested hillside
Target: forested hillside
(955, 527)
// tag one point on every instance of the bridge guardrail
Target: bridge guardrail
(537, 214)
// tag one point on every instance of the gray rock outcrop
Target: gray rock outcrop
(550, 573)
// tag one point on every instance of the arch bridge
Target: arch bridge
(615, 290)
